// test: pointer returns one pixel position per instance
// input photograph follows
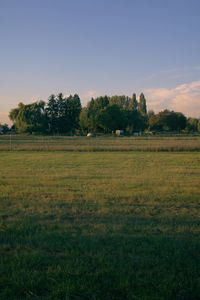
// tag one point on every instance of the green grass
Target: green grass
(99, 225)
(101, 143)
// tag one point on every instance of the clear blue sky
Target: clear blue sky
(97, 47)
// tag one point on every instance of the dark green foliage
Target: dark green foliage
(30, 118)
(84, 120)
(167, 120)
(134, 121)
(150, 113)
(4, 128)
(111, 118)
(94, 108)
(133, 104)
(142, 107)
(192, 125)
(59, 115)
(121, 101)
(63, 113)
(52, 113)
(106, 114)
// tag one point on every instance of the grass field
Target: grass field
(100, 225)
(101, 143)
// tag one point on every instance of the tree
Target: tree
(111, 118)
(84, 120)
(142, 107)
(181, 121)
(63, 113)
(94, 108)
(52, 113)
(72, 110)
(29, 118)
(167, 120)
(192, 125)
(120, 112)
(133, 104)
(121, 101)
(150, 113)
(198, 125)
(134, 121)
(5, 128)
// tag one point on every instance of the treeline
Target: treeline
(172, 121)
(58, 115)
(107, 114)
(65, 115)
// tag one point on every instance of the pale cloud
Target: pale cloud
(189, 104)
(184, 98)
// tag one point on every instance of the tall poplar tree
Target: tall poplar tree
(133, 104)
(142, 107)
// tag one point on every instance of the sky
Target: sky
(98, 47)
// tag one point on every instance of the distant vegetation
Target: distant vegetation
(65, 115)
(58, 115)
(159, 143)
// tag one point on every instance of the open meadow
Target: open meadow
(100, 225)
(101, 143)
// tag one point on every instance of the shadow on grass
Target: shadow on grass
(100, 257)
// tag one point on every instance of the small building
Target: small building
(119, 132)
